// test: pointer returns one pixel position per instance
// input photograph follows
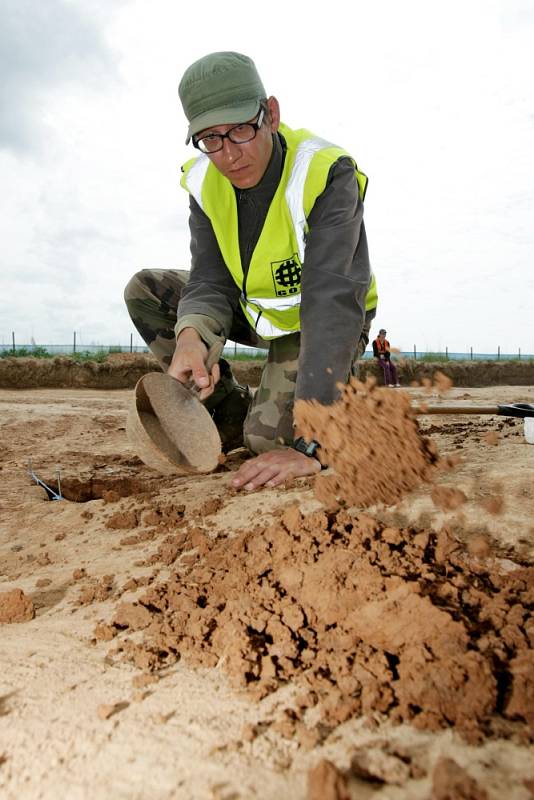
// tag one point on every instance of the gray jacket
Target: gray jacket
(335, 276)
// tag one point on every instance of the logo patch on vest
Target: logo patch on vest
(286, 276)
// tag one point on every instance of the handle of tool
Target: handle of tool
(456, 409)
(510, 410)
(214, 354)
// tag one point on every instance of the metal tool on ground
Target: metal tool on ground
(524, 411)
(52, 494)
(169, 428)
(521, 410)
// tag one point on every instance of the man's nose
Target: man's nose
(231, 150)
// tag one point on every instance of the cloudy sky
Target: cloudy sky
(434, 99)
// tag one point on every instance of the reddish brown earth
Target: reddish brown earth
(366, 618)
(262, 645)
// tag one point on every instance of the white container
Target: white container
(529, 429)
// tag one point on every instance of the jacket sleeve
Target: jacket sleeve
(335, 280)
(210, 298)
(375, 349)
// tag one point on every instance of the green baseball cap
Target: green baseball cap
(218, 89)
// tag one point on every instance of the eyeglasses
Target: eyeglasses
(239, 134)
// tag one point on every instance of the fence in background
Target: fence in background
(236, 350)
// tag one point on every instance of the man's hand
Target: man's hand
(188, 363)
(274, 468)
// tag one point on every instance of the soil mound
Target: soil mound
(366, 617)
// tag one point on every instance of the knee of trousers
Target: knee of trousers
(134, 288)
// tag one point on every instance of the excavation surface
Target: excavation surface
(169, 638)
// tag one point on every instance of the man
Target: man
(382, 353)
(279, 260)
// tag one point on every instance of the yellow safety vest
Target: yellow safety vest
(271, 291)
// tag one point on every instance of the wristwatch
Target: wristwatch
(308, 448)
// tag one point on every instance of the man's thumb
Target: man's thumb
(200, 375)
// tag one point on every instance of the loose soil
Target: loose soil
(191, 642)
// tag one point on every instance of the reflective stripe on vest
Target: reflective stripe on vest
(263, 326)
(194, 177)
(295, 187)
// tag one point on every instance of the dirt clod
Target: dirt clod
(107, 710)
(326, 782)
(123, 520)
(442, 382)
(376, 764)
(15, 607)
(447, 498)
(493, 505)
(452, 782)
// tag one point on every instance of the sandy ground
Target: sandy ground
(185, 736)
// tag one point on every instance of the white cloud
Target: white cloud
(433, 100)
(44, 46)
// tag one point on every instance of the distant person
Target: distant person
(279, 260)
(382, 353)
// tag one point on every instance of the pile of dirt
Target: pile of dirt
(371, 438)
(364, 617)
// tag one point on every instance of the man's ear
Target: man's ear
(274, 113)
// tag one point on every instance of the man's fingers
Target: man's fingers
(176, 372)
(244, 474)
(282, 477)
(249, 471)
(254, 474)
(216, 373)
(203, 394)
(213, 380)
(274, 468)
(201, 377)
(266, 474)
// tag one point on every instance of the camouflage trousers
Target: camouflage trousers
(263, 420)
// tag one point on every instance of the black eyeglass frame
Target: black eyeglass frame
(254, 125)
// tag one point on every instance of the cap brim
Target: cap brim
(223, 116)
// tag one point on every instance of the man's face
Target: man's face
(244, 164)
